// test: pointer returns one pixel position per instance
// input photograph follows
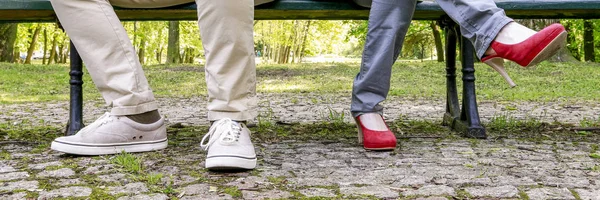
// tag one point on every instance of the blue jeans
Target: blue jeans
(479, 20)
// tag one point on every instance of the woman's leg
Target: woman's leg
(389, 21)
(496, 37)
(480, 21)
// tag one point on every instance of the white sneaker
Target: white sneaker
(229, 146)
(112, 134)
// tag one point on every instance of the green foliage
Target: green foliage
(575, 41)
(128, 162)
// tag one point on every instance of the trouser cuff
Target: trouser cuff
(236, 116)
(133, 110)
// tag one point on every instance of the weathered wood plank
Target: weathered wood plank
(41, 10)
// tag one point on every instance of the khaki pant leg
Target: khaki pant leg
(107, 51)
(226, 28)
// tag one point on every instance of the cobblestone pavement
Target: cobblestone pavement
(421, 168)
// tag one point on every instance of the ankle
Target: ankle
(513, 33)
(373, 121)
(145, 118)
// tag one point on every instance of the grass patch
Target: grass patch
(595, 155)
(5, 155)
(128, 162)
(38, 135)
(233, 191)
(548, 82)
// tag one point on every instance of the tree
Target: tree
(588, 40)
(439, 47)
(173, 46)
(8, 36)
(33, 44)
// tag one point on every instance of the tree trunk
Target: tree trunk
(32, 44)
(439, 47)
(588, 40)
(571, 38)
(59, 53)
(8, 36)
(45, 46)
(52, 50)
(306, 29)
(173, 46)
(142, 51)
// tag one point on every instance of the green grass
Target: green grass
(128, 162)
(547, 82)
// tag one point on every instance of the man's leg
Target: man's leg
(115, 69)
(226, 28)
(480, 21)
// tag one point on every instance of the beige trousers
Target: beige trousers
(226, 28)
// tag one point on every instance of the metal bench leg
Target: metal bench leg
(76, 103)
(470, 124)
(465, 119)
(452, 108)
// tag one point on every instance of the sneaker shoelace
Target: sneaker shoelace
(104, 119)
(225, 130)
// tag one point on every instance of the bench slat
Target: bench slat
(41, 10)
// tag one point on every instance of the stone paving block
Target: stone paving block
(588, 194)
(500, 162)
(314, 172)
(210, 197)
(145, 197)
(453, 161)
(511, 180)
(272, 194)
(548, 193)
(379, 191)
(431, 190)
(131, 188)
(431, 198)
(331, 163)
(13, 176)
(196, 189)
(566, 182)
(308, 181)
(19, 185)
(412, 181)
(16, 196)
(177, 180)
(470, 182)
(59, 173)
(378, 154)
(65, 182)
(5, 168)
(250, 182)
(368, 163)
(118, 177)
(44, 165)
(507, 191)
(317, 192)
(75, 191)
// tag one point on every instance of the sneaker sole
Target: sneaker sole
(91, 149)
(230, 163)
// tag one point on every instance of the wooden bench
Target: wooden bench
(464, 119)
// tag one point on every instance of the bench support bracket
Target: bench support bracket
(76, 102)
(463, 119)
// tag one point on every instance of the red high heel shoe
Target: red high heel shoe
(533, 50)
(375, 140)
